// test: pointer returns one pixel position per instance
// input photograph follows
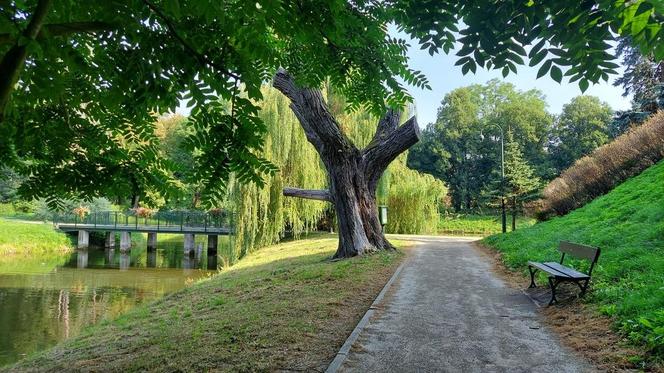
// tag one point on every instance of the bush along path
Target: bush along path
(448, 311)
(628, 282)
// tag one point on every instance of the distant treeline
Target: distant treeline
(462, 147)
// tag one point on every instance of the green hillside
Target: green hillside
(628, 225)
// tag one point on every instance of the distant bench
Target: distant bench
(559, 273)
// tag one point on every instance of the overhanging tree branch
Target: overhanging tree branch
(320, 127)
(379, 154)
(318, 195)
(202, 58)
(64, 29)
(13, 61)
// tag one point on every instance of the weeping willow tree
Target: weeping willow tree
(264, 215)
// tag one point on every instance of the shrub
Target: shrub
(7, 209)
(81, 212)
(143, 212)
(603, 169)
(23, 206)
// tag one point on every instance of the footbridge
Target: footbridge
(187, 223)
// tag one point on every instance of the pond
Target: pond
(45, 301)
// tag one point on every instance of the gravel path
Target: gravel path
(448, 312)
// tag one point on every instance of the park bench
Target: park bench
(558, 273)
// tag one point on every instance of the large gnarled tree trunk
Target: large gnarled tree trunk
(353, 172)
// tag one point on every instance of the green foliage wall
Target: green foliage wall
(264, 215)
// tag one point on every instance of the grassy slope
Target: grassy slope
(30, 239)
(628, 225)
(283, 307)
(478, 224)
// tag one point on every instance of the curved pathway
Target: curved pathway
(448, 312)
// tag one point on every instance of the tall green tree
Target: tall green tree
(582, 127)
(643, 78)
(521, 182)
(463, 146)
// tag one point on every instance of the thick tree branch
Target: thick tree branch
(386, 125)
(14, 59)
(64, 29)
(378, 155)
(320, 127)
(319, 195)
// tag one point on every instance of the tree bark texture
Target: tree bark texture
(353, 172)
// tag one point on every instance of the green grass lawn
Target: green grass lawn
(478, 224)
(284, 307)
(26, 239)
(628, 225)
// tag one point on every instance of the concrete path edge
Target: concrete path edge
(345, 348)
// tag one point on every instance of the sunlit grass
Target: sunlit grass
(30, 239)
(478, 224)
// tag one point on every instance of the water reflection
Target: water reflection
(40, 307)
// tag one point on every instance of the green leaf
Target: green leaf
(538, 58)
(536, 49)
(556, 74)
(583, 84)
(544, 69)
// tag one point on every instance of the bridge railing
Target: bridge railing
(162, 220)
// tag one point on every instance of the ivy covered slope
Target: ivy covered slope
(628, 225)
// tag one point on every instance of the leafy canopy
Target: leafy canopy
(81, 81)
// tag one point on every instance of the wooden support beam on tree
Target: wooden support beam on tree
(318, 195)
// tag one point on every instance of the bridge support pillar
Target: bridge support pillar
(152, 241)
(82, 259)
(152, 259)
(189, 243)
(125, 241)
(110, 240)
(125, 261)
(83, 239)
(213, 242)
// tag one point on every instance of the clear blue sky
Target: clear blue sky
(444, 77)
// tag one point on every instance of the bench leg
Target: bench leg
(583, 287)
(553, 284)
(532, 277)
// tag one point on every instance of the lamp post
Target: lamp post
(502, 173)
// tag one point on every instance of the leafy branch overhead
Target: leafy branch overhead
(104, 68)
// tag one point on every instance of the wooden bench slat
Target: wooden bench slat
(577, 250)
(570, 272)
(547, 269)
